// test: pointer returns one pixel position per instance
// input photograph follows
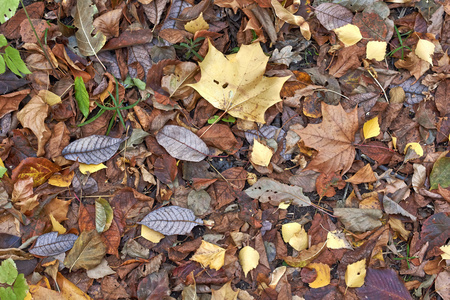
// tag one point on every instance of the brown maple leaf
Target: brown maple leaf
(333, 138)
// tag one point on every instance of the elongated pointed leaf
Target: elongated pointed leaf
(82, 96)
(171, 220)
(83, 20)
(51, 243)
(182, 143)
(92, 150)
(87, 252)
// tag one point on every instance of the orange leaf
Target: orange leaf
(333, 138)
(40, 169)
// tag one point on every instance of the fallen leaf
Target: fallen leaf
(383, 284)
(333, 138)
(306, 256)
(364, 175)
(348, 34)
(376, 50)
(355, 274)
(249, 259)
(290, 18)
(151, 235)
(323, 275)
(50, 244)
(83, 20)
(371, 128)
(440, 174)
(56, 226)
(225, 293)
(40, 169)
(108, 23)
(337, 240)
(261, 154)
(196, 25)
(333, 15)
(295, 235)
(285, 56)
(85, 168)
(424, 50)
(414, 146)
(87, 252)
(210, 255)
(236, 84)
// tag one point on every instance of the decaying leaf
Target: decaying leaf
(359, 220)
(210, 255)
(93, 149)
(50, 244)
(83, 20)
(87, 252)
(274, 192)
(182, 143)
(40, 169)
(171, 220)
(236, 84)
(333, 138)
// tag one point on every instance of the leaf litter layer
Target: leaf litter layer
(230, 149)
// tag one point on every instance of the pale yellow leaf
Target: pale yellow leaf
(424, 50)
(261, 154)
(49, 97)
(394, 142)
(276, 276)
(416, 147)
(446, 254)
(323, 275)
(355, 274)
(288, 17)
(348, 34)
(84, 168)
(371, 128)
(210, 255)
(295, 235)
(236, 83)
(284, 205)
(288, 230)
(196, 25)
(376, 50)
(337, 240)
(225, 293)
(56, 226)
(151, 235)
(248, 258)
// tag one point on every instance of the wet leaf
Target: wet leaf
(171, 220)
(87, 252)
(50, 244)
(182, 143)
(93, 149)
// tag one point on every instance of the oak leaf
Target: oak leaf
(235, 83)
(333, 138)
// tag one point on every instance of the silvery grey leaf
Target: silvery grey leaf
(332, 15)
(50, 244)
(182, 143)
(93, 149)
(171, 220)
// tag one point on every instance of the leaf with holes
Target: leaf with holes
(51, 243)
(93, 149)
(274, 192)
(182, 143)
(171, 220)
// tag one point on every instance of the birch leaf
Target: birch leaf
(83, 20)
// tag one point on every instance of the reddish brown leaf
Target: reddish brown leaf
(10, 102)
(40, 169)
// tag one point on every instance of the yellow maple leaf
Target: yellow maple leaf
(210, 255)
(261, 154)
(348, 34)
(323, 275)
(371, 128)
(424, 50)
(376, 50)
(196, 25)
(248, 258)
(355, 274)
(236, 84)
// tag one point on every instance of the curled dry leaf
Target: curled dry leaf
(108, 23)
(93, 149)
(182, 143)
(171, 220)
(51, 243)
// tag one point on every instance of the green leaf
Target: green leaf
(2, 65)
(8, 271)
(213, 120)
(440, 173)
(2, 171)
(15, 62)
(3, 41)
(7, 294)
(82, 96)
(103, 215)
(8, 9)
(20, 287)
(139, 84)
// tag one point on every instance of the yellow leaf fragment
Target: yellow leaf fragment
(284, 205)
(236, 83)
(424, 50)
(61, 180)
(225, 293)
(290, 18)
(49, 97)
(84, 168)
(56, 226)
(210, 255)
(295, 235)
(248, 258)
(355, 274)
(323, 275)
(376, 50)
(196, 25)
(348, 34)
(337, 240)
(371, 128)
(276, 276)
(261, 154)
(446, 254)
(414, 146)
(151, 235)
